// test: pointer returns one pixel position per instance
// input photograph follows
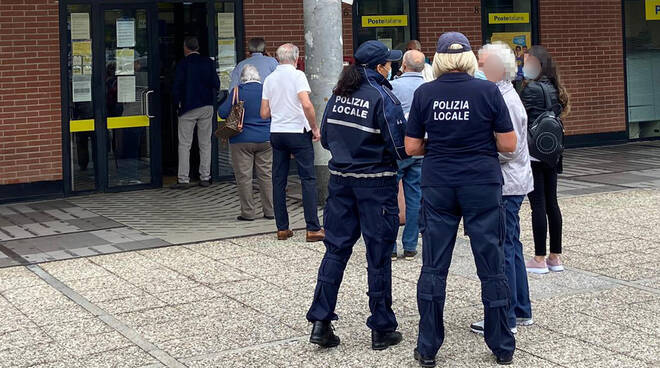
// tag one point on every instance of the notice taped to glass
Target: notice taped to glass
(126, 89)
(81, 88)
(79, 26)
(125, 33)
(226, 52)
(125, 62)
(225, 25)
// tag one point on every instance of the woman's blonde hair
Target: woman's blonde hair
(461, 62)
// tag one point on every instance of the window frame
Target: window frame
(412, 22)
(533, 19)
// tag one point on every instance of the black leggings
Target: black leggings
(545, 209)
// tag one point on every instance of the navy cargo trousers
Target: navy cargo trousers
(365, 206)
(482, 212)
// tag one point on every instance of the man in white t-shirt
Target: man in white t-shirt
(285, 101)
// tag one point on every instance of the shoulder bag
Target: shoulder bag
(233, 125)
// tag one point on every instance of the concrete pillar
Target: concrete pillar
(323, 63)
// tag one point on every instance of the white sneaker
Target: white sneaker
(555, 265)
(478, 328)
(524, 321)
(536, 267)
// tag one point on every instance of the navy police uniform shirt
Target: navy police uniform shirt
(364, 132)
(460, 114)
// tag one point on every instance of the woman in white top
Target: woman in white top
(497, 63)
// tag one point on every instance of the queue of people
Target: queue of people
(458, 144)
(470, 126)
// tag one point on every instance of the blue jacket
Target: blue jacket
(195, 83)
(364, 132)
(255, 129)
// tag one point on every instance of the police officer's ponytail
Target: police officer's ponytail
(349, 81)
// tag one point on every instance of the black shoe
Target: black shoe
(241, 218)
(180, 186)
(269, 217)
(394, 256)
(424, 362)
(409, 254)
(205, 183)
(383, 340)
(505, 360)
(323, 335)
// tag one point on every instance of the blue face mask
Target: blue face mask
(389, 74)
(530, 73)
(480, 75)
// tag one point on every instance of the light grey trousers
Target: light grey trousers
(202, 118)
(247, 158)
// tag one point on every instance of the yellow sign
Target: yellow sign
(513, 39)
(508, 18)
(652, 9)
(384, 21)
(82, 48)
(87, 125)
(134, 121)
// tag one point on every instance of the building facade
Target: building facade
(85, 102)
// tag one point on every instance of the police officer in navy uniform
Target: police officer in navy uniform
(467, 122)
(363, 127)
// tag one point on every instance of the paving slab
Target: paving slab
(242, 301)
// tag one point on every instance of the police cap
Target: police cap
(373, 53)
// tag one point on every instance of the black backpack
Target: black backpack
(546, 134)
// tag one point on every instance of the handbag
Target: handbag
(233, 125)
(546, 134)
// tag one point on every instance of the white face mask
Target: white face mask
(531, 72)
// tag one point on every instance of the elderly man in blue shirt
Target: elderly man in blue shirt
(264, 64)
(410, 169)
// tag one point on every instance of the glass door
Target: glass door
(130, 76)
(388, 21)
(642, 31)
(82, 155)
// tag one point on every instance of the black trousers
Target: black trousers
(545, 209)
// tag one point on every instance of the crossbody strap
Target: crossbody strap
(546, 96)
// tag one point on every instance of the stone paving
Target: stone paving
(115, 222)
(241, 302)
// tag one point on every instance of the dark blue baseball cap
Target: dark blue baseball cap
(451, 38)
(372, 53)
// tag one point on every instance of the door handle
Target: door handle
(146, 104)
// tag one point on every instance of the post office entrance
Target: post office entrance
(118, 62)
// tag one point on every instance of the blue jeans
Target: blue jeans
(300, 146)
(410, 171)
(514, 262)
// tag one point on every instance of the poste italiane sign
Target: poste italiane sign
(384, 20)
(652, 9)
(506, 18)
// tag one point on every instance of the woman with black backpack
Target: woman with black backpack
(541, 92)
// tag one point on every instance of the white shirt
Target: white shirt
(281, 89)
(427, 73)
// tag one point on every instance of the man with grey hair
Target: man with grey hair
(410, 169)
(285, 100)
(258, 58)
(427, 72)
